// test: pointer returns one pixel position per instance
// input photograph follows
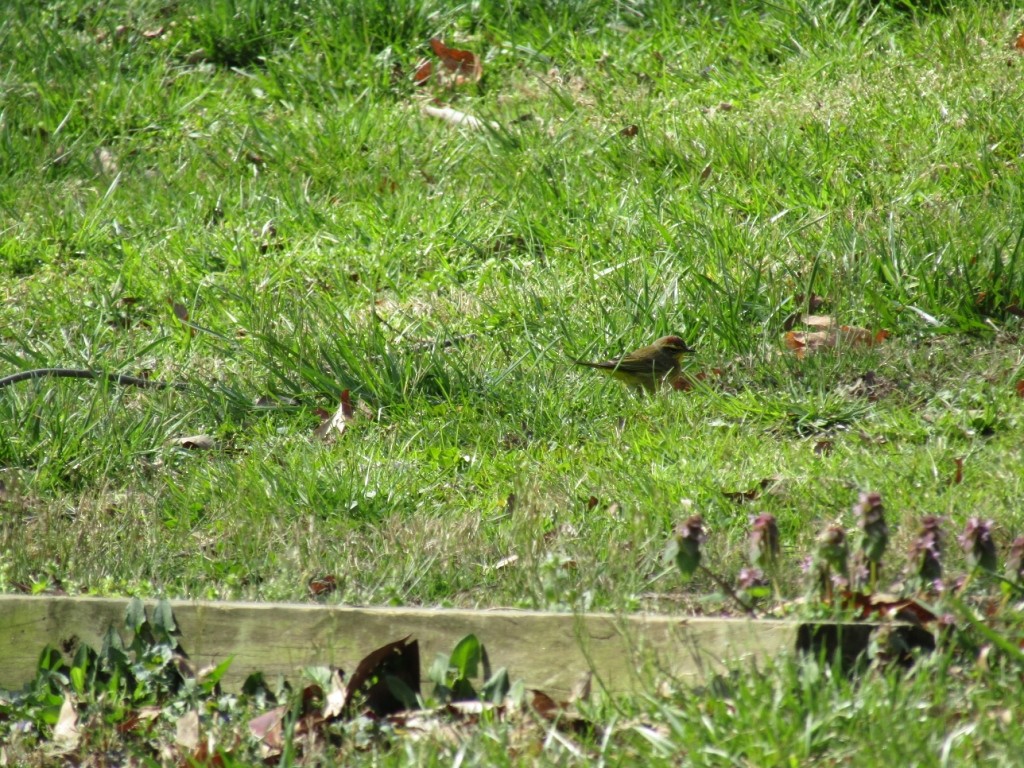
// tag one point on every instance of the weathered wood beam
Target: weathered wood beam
(549, 651)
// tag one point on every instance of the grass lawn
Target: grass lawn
(248, 197)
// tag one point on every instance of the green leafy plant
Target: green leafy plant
(454, 677)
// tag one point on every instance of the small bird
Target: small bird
(647, 367)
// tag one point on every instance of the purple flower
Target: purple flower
(871, 520)
(977, 543)
(763, 544)
(926, 550)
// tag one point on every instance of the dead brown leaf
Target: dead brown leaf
(741, 496)
(958, 473)
(333, 425)
(401, 660)
(143, 715)
(106, 162)
(1019, 42)
(803, 342)
(464, 64)
(880, 605)
(1019, 387)
(186, 730)
(823, 447)
(321, 586)
(424, 69)
(194, 442)
(559, 714)
(454, 117)
(269, 727)
(629, 131)
(65, 733)
(181, 312)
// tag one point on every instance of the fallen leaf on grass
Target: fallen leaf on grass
(1019, 387)
(65, 733)
(186, 730)
(181, 312)
(958, 474)
(505, 562)
(741, 496)
(559, 714)
(823, 447)
(823, 322)
(106, 162)
(464, 64)
(194, 442)
(333, 425)
(1019, 42)
(455, 117)
(143, 715)
(400, 661)
(321, 586)
(803, 342)
(268, 728)
(686, 382)
(424, 69)
(629, 131)
(882, 606)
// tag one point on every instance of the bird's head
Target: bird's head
(674, 346)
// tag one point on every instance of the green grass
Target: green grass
(267, 166)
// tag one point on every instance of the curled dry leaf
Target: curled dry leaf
(823, 447)
(741, 496)
(333, 425)
(1019, 42)
(822, 322)
(400, 660)
(456, 118)
(464, 64)
(424, 69)
(181, 312)
(560, 714)
(106, 162)
(958, 472)
(321, 586)
(186, 730)
(803, 342)
(505, 562)
(65, 733)
(194, 442)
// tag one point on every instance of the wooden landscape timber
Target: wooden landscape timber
(549, 651)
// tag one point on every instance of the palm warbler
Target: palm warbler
(647, 367)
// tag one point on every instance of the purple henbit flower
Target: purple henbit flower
(871, 521)
(763, 545)
(831, 560)
(978, 545)
(1015, 561)
(926, 550)
(861, 571)
(689, 536)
